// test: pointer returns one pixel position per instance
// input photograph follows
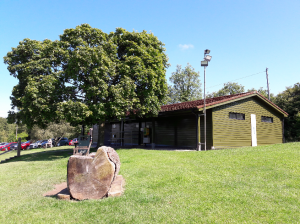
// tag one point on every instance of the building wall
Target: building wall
(235, 133)
(176, 131)
(96, 133)
(209, 134)
(171, 131)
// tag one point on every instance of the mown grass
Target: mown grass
(250, 185)
(12, 153)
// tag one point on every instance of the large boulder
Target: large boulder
(90, 177)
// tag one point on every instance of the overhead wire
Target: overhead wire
(236, 79)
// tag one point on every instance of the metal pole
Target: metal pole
(16, 131)
(19, 147)
(268, 82)
(204, 113)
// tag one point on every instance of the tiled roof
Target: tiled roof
(212, 101)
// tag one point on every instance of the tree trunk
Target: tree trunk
(91, 177)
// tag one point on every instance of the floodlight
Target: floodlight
(206, 51)
(204, 63)
(207, 58)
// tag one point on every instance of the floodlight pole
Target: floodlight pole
(204, 112)
(204, 63)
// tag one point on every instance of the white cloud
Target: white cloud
(185, 46)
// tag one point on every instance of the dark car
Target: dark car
(14, 146)
(7, 147)
(63, 141)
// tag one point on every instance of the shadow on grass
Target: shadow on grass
(43, 156)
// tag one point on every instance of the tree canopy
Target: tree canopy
(229, 88)
(8, 131)
(289, 101)
(87, 76)
(185, 86)
(263, 92)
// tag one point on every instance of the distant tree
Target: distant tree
(263, 92)
(185, 86)
(289, 101)
(8, 131)
(229, 88)
(55, 130)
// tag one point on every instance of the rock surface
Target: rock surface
(90, 177)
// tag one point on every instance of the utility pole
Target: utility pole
(268, 83)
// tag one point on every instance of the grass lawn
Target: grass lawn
(249, 185)
(28, 151)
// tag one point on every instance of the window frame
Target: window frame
(263, 119)
(236, 116)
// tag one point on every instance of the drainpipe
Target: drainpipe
(283, 138)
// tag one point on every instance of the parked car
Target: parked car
(7, 147)
(1, 146)
(25, 145)
(14, 146)
(71, 142)
(36, 144)
(63, 141)
(3, 143)
(43, 143)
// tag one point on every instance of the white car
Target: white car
(35, 145)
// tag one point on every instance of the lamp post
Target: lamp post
(204, 63)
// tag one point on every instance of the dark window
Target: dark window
(237, 116)
(267, 119)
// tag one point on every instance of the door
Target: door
(253, 130)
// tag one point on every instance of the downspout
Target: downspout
(283, 138)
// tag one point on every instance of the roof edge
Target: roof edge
(254, 93)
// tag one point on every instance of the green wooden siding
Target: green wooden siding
(235, 133)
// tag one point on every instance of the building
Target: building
(246, 119)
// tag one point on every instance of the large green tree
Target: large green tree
(185, 86)
(289, 100)
(87, 76)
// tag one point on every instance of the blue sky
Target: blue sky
(244, 37)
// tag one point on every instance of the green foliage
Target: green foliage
(229, 88)
(22, 135)
(186, 85)
(55, 130)
(87, 76)
(289, 101)
(263, 92)
(7, 131)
